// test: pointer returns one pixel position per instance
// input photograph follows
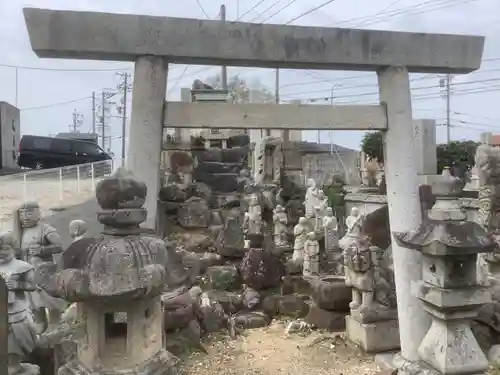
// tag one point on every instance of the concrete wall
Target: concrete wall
(10, 126)
(321, 166)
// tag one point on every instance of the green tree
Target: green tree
(372, 145)
(458, 155)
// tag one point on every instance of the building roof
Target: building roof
(320, 148)
(495, 139)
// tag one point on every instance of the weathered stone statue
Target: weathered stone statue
(117, 278)
(371, 279)
(331, 231)
(300, 233)
(39, 243)
(354, 224)
(77, 229)
(280, 227)
(311, 198)
(253, 217)
(488, 169)
(311, 255)
(19, 278)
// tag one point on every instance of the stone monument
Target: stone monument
(280, 227)
(117, 278)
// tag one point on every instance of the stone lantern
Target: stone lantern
(116, 278)
(449, 289)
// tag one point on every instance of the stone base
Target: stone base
(162, 363)
(27, 369)
(373, 337)
(332, 321)
(394, 361)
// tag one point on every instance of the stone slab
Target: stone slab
(373, 337)
(107, 36)
(272, 116)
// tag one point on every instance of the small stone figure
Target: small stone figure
(280, 222)
(77, 229)
(39, 243)
(254, 216)
(300, 233)
(330, 228)
(19, 278)
(352, 218)
(311, 198)
(311, 255)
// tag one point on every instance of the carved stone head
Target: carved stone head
(77, 228)
(302, 221)
(354, 212)
(29, 214)
(311, 183)
(7, 247)
(311, 236)
(329, 212)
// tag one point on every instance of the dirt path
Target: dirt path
(269, 351)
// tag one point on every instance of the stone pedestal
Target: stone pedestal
(368, 335)
(450, 245)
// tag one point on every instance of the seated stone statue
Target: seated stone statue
(19, 278)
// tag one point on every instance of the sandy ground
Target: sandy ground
(47, 191)
(269, 351)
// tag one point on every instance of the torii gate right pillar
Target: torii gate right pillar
(404, 204)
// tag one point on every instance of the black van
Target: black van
(37, 152)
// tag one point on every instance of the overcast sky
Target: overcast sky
(41, 92)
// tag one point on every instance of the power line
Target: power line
(249, 10)
(202, 9)
(268, 8)
(56, 104)
(279, 11)
(310, 11)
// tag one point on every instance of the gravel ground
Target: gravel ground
(269, 351)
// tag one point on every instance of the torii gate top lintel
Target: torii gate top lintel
(124, 37)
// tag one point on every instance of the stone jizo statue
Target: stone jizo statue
(77, 229)
(19, 278)
(39, 243)
(280, 220)
(300, 233)
(352, 218)
(330, 227)
(312, 199)
(311, 255)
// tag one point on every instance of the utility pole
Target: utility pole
(103, 121)
(331, 131)
(448, 99)
(445, 83)
(93, 112)
(224, 68)
(124, 87)
(77, 122)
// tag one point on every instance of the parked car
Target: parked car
(37, 152)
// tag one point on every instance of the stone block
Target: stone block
(291, 305)
(215, 167)
(373, 337)
(330, 320)
(223, 277)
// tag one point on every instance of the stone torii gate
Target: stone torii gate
(153, 42)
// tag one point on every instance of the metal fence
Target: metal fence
(51, 188)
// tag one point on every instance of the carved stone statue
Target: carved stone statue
(331, 231)
(370, 277)
(488, 169)
(354, 224)
(77, 229)
(311, 198)
(300, 233)
(19, 278)
(39, 243)
(311, 255)
(280, 220)
(253, 218)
